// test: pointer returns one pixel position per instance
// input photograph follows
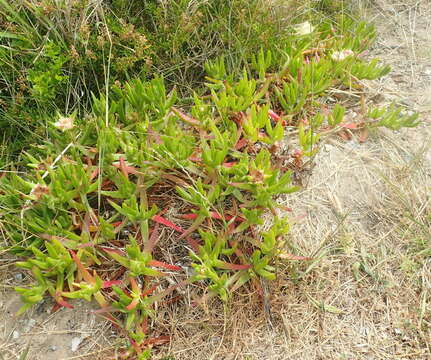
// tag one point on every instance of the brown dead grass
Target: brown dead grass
(357, 210)
(365, 210)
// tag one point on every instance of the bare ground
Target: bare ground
(365, 219)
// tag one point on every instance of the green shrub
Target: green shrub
(55, 54)
(98, 192)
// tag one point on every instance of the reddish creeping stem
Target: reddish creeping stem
(276, 117)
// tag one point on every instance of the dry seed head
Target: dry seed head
(39, 190)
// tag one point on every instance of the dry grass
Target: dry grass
(365, 218)
(358, 210)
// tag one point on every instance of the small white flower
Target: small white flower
(64, 123)
(304, 28)
(341, 55)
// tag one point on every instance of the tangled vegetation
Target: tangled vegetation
(55, 54)
(87, 212)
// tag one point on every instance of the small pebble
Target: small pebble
(75, 343)
(15, 335)
(30, 323)
(53, 348)
(215, 339)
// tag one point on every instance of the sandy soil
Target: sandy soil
(367, 294)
